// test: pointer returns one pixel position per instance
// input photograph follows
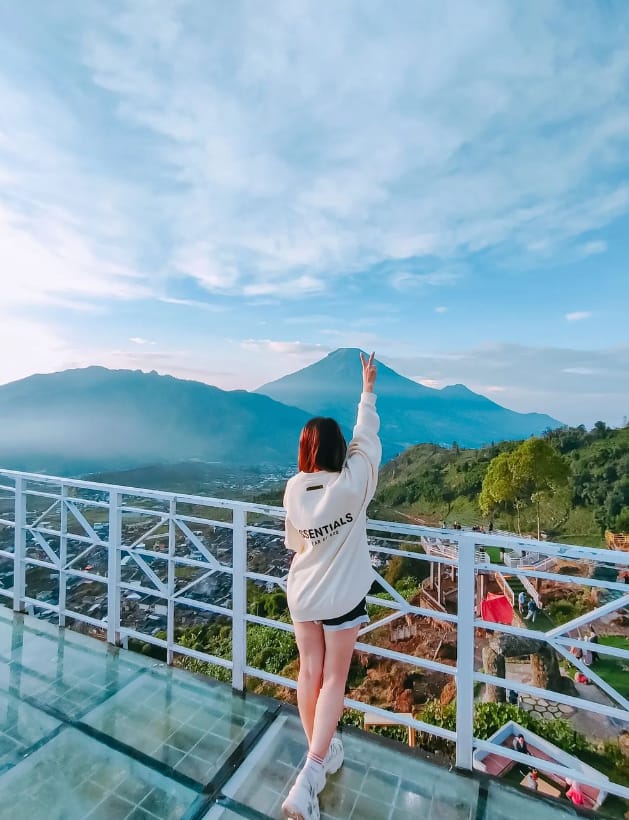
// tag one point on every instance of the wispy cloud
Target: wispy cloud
(576, 386)
(578, 315)
(441, 309)
(305, 179)
(47, 260)
(405, 280)
(299, 349)
(594, 247)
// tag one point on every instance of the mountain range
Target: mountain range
(410, 413)
(95, 419)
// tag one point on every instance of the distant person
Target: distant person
(579, 677)
(522, 602)
(531, 611)
(575, 793)
(329, 578)
(512, 697)
(519, 745)
(531, 780)
(594, 639)
(490, 528)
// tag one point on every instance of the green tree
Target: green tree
(532, 472)
(498, 486)
(538, 471)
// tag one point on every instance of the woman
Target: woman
(330, 576)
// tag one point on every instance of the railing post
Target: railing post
(63, 556)
(113, 567)
(239, 598)
(170, 604)
(465, 655)
(19, 547)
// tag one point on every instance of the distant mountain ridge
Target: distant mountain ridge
(95, 419)
(410, 413)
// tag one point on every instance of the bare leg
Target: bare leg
(339, 646)
(311, 645)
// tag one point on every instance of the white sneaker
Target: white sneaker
(334, 758)
(302, 801)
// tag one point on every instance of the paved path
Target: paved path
(593, 725)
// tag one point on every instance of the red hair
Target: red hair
(321, 446)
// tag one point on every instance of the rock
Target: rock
(544, 665)
(447, 651)
(405, 701)
(494, 664)
(448, 693)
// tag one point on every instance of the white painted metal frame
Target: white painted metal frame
(32, 545)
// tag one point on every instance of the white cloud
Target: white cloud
(577, 315)
(294, 288)
(36, 348)
(300, 349)
(594, 247)
(46, 259)
(580, 371)
(441, 309)
(285, 171)
(406, 280)
(139, 340)
(200, 262)
(194, 303)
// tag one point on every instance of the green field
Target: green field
(614, 671)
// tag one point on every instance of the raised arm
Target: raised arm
(365, 451)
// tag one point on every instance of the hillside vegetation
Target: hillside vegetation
(436, 484)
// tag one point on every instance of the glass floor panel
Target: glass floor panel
(88, 731)
(191, 726)
(74, 776)
(377, 782)
(505, 804)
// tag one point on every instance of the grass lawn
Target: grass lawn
(614, 671)
(542, 622)
(495, 554)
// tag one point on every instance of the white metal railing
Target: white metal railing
(139, 564)
(505, 587)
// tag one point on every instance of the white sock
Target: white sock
(313, 765)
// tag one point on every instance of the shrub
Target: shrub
(563, 610)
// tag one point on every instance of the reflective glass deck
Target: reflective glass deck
(87, 731)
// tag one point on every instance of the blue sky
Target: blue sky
(228, 191)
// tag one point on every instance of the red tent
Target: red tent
(496, 608)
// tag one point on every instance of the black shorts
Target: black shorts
(355, 617)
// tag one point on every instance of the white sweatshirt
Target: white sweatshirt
(326, 527)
